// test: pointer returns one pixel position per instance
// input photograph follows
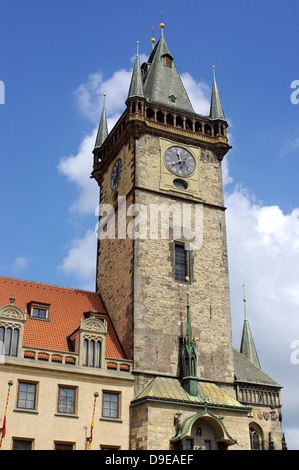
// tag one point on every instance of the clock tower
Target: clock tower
(162, 219)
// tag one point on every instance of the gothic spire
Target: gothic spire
(189, 355)
(162, 83)
(216, 111)
(247, 347)
(103, 128)
(136, 86)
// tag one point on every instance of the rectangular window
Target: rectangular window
(110, 405)
(63, 446)
(27, 396)
(66, 400)
(22, 444)
(180, 263)
(39, 312)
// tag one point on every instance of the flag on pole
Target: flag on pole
(3, 429)
(92, 421)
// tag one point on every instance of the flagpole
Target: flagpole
(3, 429)
(92, 422)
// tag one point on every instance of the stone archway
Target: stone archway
(203, 431)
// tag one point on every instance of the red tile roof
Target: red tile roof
(67, 307)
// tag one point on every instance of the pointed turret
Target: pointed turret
(216, 111)
(136, 86)
(247, 347)
(189, 356)
(103, 128)
(162, 83)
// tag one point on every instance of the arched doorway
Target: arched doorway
(203, 431)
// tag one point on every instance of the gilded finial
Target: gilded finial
(137, 42)
(213, 67)
(244, 300)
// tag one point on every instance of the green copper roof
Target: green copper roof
(203, 414)
(247, 347)
(103, 128)
(161, 82)
(136, 86)
(170, 389)
(216, 111)
(247, 372)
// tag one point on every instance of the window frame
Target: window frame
(39, 307)
(118, 395)
(66, 404)
(9, 345)
(26, 408)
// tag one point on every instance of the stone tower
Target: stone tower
(162, 218)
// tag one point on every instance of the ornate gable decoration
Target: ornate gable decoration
(12, 313)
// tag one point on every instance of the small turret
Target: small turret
(247, 347)
(103, 128)
(189, 355)
(216, 111)
(136, 85)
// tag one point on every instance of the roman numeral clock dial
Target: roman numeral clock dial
(116, 174)
(179, 161)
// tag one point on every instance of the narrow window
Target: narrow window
(66, 400)
(110, 405)
(8, 341)
(26, 396)
(180, 263)
(2, 332)
(15, 342)
(167, 61)
(91, 353)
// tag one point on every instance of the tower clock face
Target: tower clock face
(116, 174)
(179, 161)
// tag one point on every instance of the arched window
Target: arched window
(256, 440)
(9, 341)
(92, 353)
(150, 113)
(167, 61)
(160, 116)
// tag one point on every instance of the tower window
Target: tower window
(180, 260)
(172, 98)
(167, 61)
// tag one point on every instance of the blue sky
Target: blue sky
(59, 57)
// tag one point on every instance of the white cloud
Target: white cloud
(89, 95)
(263, 252)
(20, 263)
(81, 259)
(199, 94)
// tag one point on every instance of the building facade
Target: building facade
(148, 358)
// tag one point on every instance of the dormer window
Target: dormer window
(167, 61)
(172, 98)
(39, 311)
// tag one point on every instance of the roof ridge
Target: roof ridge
(46, 284)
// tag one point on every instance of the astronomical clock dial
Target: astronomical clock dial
(116, 174)
(179, 161)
